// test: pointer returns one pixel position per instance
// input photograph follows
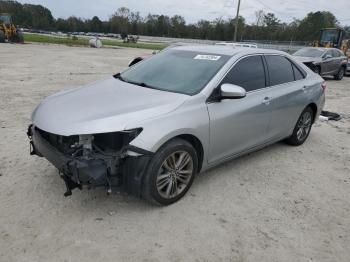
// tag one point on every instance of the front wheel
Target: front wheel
(340, 74)
(302, 128)
(171, 172)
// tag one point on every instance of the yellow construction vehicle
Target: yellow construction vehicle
(334, 38)
(8, 30)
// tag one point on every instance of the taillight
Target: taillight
(323, 86)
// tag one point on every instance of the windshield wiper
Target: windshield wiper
(145, 85)
(118, 76)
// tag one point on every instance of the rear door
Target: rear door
(288, 89)
(240, 124)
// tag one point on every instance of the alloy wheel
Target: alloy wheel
(174, 174)
(304, 125)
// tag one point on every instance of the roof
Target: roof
(320, 48)
(226, 50)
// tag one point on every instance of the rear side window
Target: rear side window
(328, 53)
(340, 53)
(280, 69)
(297, 74)
(335, 53)
(248, 73)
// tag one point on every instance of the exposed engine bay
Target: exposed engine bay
(93, 160)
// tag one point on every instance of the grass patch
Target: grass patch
(81, 41)
(153, 46)
(55, 40)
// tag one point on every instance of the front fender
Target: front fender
(190, 119)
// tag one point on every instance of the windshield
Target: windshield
(309, 52)
(5, 19)
(329, 36)
(179, 71)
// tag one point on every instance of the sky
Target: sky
(195, 10)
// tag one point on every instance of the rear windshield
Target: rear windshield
(179, 71)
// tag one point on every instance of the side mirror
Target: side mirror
(230, 91)
(327, 57)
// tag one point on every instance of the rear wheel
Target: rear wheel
(171, 172)
(340, 74)
(302, 128)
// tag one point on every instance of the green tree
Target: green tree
(38, 17)
(311, 25)
(95, 24)
(177, 26)
(270, 20)
(266, 27)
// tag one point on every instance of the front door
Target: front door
(240, 124)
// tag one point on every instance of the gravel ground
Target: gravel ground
(282, 203)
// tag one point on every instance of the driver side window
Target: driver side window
(248, 73)
(328, 53)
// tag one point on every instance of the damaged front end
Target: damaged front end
(93, 160)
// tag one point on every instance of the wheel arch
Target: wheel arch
(190, 138)
(193, 140)
(313, 106)
(197, 145)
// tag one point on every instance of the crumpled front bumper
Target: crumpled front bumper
(93, 172)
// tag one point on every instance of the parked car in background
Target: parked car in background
(154, 126)
(237, 44)
(348, 65)
(323, 61)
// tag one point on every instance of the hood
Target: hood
(306, 59)
(108, 105)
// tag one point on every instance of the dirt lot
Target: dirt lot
(279, 204)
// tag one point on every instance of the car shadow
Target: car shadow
(238, 162)
(328, 78)
(96, 201)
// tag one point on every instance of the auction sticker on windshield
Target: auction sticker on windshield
(207, 57)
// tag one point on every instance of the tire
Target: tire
(165, 183)
(13, 38)
(20, 37)
(2, 36)
(340, 74)
(302, 128)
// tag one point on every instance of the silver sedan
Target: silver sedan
(151, 128)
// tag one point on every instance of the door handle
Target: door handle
(304, 89)
(266, 100)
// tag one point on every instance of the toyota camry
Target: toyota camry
(151, 128)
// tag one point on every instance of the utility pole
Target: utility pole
(236, 27)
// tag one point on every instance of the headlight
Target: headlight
(115, 140)
(33, 114)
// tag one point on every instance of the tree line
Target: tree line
(267, 26)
